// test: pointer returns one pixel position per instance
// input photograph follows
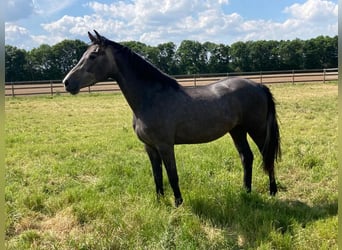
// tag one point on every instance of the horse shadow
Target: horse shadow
(251, 218)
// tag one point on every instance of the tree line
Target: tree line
(190, 57)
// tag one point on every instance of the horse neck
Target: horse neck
(132, 88)
(132, 91)
(138, 78)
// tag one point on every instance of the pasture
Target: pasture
(77, 177)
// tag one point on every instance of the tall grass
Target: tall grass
(78, 178)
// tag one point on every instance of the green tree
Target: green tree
(167, 58)
(291, 54)
(331, 52)
(137, 47)
(312, 51)
(240, 56)
(320, 52)
(218, 57)
(273, 62)
(15, 64)
(53, 62)
(264, 55)
(147, 52)
(191, 57)
(41, 62)
(65, 56)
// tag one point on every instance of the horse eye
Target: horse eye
(92, 56)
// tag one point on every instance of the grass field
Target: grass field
(78, 178)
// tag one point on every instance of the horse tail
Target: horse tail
(271, 151)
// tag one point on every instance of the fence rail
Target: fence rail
(55, 87)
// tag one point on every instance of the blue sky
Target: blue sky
(30, 23)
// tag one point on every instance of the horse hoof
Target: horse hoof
(273, 189)
(248, 190)
(178, 201)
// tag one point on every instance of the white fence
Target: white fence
(55, 87)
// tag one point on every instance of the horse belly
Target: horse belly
(201, 131)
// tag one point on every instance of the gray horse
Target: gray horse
(165, 113)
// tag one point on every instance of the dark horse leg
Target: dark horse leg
(259, 139)
(168, 156)
(239, 136)
(156, 163)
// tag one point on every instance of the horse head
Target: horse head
(95, 65)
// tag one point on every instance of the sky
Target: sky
(30, 23)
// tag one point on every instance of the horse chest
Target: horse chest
(150, 132)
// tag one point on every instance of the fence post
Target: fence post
(12, 85)
(195, 83)
(260, 77)
(293, 76)
(324, 71)
(51, 88)
(88, 89)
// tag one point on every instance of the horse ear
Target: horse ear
(92, 38)
(101, 39)
(97, 35)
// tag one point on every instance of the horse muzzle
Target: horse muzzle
(72, 89)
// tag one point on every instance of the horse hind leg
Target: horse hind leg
(260, 138)
(239, 136)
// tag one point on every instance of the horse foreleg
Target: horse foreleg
(240, 140)
(156, 163)
(168, 156)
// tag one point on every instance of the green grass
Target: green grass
(78, 178)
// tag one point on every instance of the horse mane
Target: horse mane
(142, 67)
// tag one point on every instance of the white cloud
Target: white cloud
(313, 10)
(149, 21)
(312, 18)
(22, 38)
(117, 10)
(71, 27)
(15, 29)
(21, 9)
(15, 33)
(154, 22)
(48, 7)
(307, 20)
